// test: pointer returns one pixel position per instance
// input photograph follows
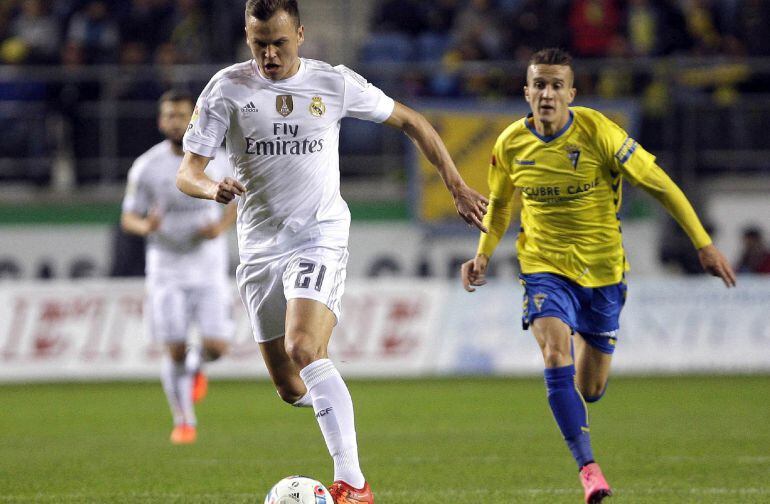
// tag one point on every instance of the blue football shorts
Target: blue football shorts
(592, 312)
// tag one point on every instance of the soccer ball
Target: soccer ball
(298, 490)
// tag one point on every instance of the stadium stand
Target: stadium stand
(79, 78)
(116, 58)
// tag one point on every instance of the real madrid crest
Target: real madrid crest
(317, 107)
(284, 104)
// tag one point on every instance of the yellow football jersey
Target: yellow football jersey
(570, 186)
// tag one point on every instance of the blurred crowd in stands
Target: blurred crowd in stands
(755, 255)
(99, 124)
(454, 31)
(126, 32)
(426, 41)
(513, 29)
(190, 31)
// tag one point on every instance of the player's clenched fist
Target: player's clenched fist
(473, 272)
(226, 190)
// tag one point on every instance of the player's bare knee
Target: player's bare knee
(555, 355)
(302, 350)
(213, 350)
(211, 354)
(592, 388)
(593, 391)
(177, 352)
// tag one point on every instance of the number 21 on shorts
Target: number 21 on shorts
(309, 274)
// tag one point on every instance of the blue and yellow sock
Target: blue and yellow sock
(570, 412)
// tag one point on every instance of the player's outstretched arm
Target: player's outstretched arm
(191, 179)
(660, 186)
(473, 272)
(715, 263)
(470, 204)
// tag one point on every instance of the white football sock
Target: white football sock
(185, 387)
(177, 384)
(192, 359)
(334, 412)
(168, 378)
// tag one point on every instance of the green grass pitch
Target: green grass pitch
(659, 440)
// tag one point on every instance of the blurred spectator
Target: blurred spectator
(399, 16)
(439, 15)
(656, 27)
(434, 42)
(750, 26)
(95, 31)
(135, 82)
(72, 98)
(755, 256)
(657, 106)
(475, 36)
(63, 9)
(672, 30)
(38, 31)
(594, 25)
(168, 75)
(22, 106)
(148, 22)
(6, 16)
(190, 32)
(703, 27)
(75, 90)
(530, 25)
(476, 33)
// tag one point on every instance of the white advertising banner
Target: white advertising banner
(93, 329)
(73, 251)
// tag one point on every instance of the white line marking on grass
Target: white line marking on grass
(78, 497)
(532, 492)
(746, 459)
(759, 459)
(731, 491)
(440, 459)
(447, 493)
(468, 492)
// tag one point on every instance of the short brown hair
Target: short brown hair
(265, 9)
(176, 95)
(551, 56)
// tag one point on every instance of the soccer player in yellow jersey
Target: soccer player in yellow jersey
(561, 169)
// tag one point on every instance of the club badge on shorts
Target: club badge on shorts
(317, 107)
(284, 104)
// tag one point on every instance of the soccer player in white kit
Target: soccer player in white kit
(280, 116)
(186, 263)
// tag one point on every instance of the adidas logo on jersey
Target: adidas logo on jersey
(250, 107)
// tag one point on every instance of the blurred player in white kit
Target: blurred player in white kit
(186, 263)
(280, 116)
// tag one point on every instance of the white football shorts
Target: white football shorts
(267, 281)
(172, 308)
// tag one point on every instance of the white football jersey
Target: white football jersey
(282, 140)
(174, 251)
